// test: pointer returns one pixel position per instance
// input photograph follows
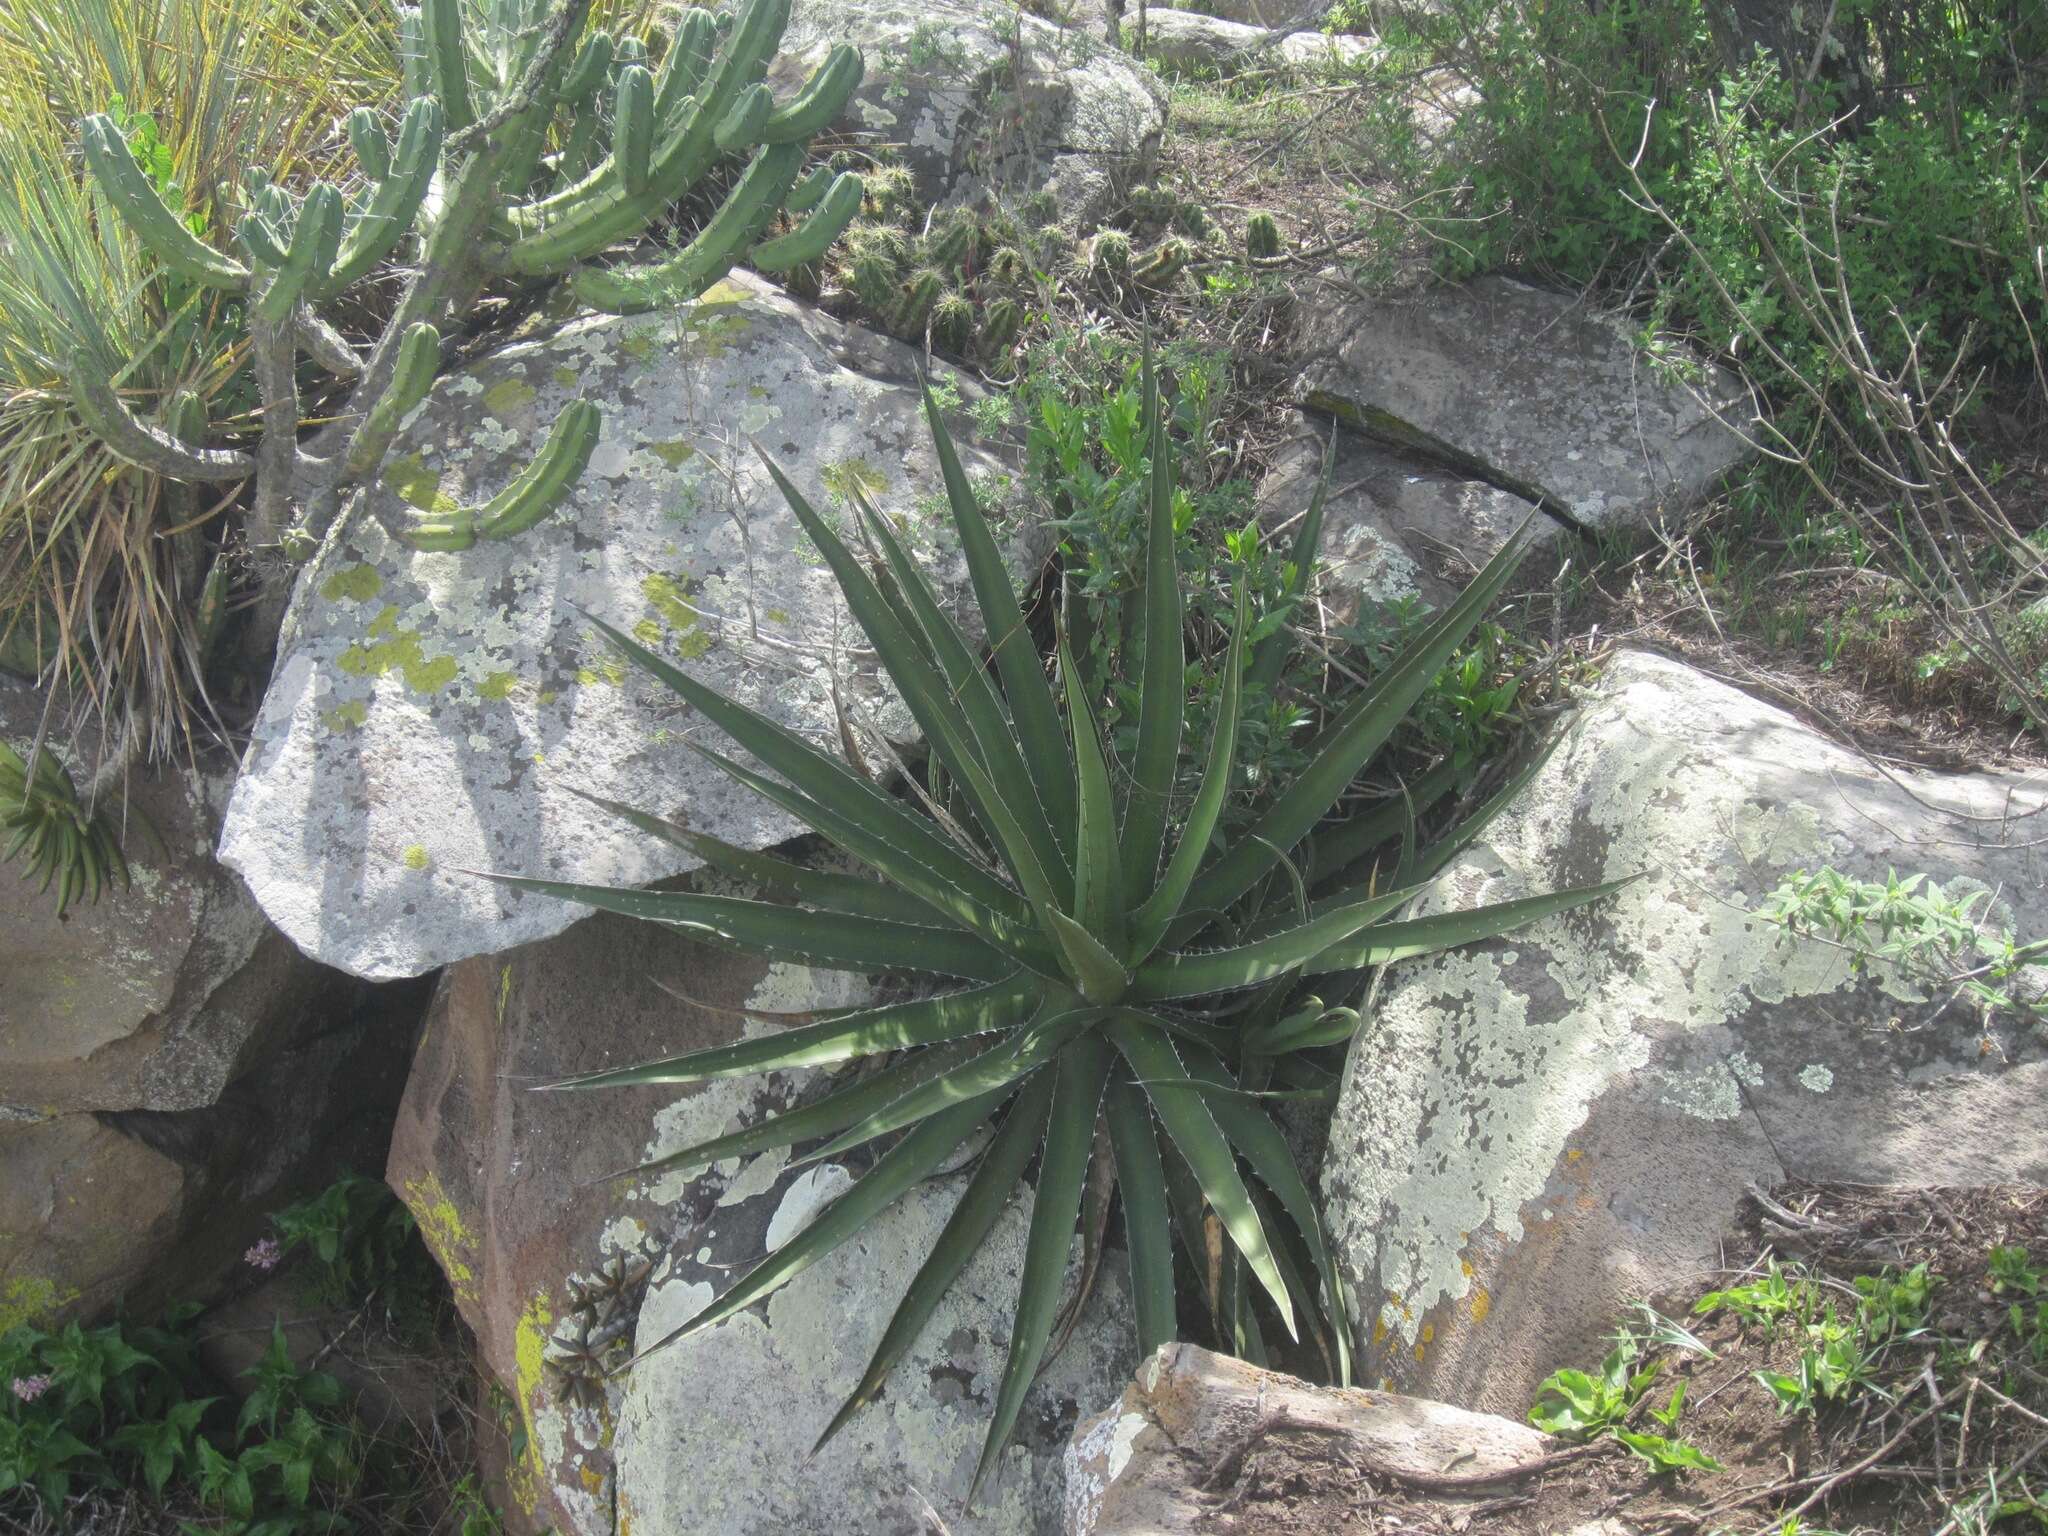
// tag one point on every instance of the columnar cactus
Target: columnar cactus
(529, 146)
(1261, 237)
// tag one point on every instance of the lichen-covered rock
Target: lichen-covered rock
(1526, 388)
(1392, 527)
(1537, 1131)
(1192, 43)
(154, 997)
(430, 712)
(1140, 1468)
(715, 1431)
(509, 1185)
(977, 101)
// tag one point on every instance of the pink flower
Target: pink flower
(29, 1388)
(265, 1255)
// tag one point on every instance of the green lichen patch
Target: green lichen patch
(352, 583)
(566, 376)
(639, 346)
(30, 1299)
(667, 596)
(648, 633)
(418, 486)
(346, 717)
(608, 669)
(675, 453)
(397, 649)
(509, 396)
(497, 686)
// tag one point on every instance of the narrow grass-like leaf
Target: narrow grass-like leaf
(982, 1203)
(1062, 1167)
(1022, 1054)
(1350, 743)
(1147, 1234)
(1162, 684)
(1179, 1103)
(1225, 970)
(1149, 924)
(871, 1032)
(1446, 930)
(1335, 847)
(1017, 660)
(826, 780)
(777, 879)
(908, 1162)
(1098, 874)
(833, 940)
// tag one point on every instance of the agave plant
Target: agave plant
(1117, 960)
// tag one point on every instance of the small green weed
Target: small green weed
(1580, 1406)
(362, 1244)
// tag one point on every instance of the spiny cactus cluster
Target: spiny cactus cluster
(1261, 237)
(528, 147)
(965, 281)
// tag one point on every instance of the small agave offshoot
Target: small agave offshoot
(1118, 961)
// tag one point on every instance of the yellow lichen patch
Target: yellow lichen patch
(355, 583)
(648, 633)
(397, 649)
(1429, 1333)
(415, 857)
(1482, 1304)
(529, 1353)
(27, 1299)
(444, 1232)
(418, 486)
(497, 686)
(665, 594)
(591, 1478)
(675, 453)
(724, 291)
(509, 395)
(1573, 1154)
(346, 717)
(609, 669)
(1379, 1330)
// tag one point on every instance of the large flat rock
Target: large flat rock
(1538, 1131)
(1527, 388)
(431, 712)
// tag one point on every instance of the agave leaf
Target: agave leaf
(777, 879)
(1225, 970)
(1460, 837)
(1098, 875)
(1150, 923)
(1180, 1107)
(1350, 743)
(981, 1205)
(1252, 1131)
(1099, 974)
(1336, 847)
(1017, 661)
(1062, 1167)
(1162, 684)
(871, 1032)
(831, 940)
(1446, 930)
(863, 842)
(1142, 1182)
(927, 695)
(1023, 1053)
(991, 726)
(908, 1162)
(826, 781)
(824, 1116)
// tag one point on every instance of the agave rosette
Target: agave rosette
(1118, 962)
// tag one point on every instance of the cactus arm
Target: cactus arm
(682, 67)
(142, 443)
(419, 359)
(316, 238)
(707, 258)
(812, 109)
(161, 232)
(259, 240)
(415, 78)
(548, 477)
(593, 63)
(812, 238)
(807, 193)
(741, 127)
(447, 65)
(456, 531)
(324, 344)
(396, 202)
(366, 138)
(633, 129)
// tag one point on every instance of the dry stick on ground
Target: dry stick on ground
(1232, 1461)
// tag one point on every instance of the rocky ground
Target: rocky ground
(1650, 1100)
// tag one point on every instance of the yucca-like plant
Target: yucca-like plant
(1118, 960)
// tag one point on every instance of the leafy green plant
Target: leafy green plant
(1121, 958)
(1581, 1406)
(2012, 1270)
(1761, 1302)
(1835, 1363)
(363, 1242)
